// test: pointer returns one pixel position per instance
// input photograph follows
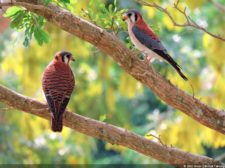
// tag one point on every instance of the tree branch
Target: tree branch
(189, 21)
(144, 73)
(104, 131)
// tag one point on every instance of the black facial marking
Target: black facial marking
(135, 17)
(65, 54)
(63, 58)
(135, 13)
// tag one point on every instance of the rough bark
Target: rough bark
(104, 131)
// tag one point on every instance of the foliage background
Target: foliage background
(105, 92)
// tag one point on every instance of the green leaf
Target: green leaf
(103, 117)
(17, 20)
(102, 7)
(65, 1)
(40, 21)
(115, 3)
(46, 2)
(12, 11)
(41, 36)
(110, 8)
(26, 42)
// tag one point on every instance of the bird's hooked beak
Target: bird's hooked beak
(124, 16)
(72, 58)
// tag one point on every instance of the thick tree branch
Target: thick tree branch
(189, 21)
(106, 132)
(112, 46)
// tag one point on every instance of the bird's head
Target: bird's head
(64, 57)
(132, 16)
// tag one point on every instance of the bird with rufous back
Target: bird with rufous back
(58, 83)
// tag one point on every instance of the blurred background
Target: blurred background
(105, 92)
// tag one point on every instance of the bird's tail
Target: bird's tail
(57, 123)
(176, 67)
(181, 74)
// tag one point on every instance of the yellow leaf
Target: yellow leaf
(215, 52)
(72, 159)
(129, 86)
(206, 40)
(176, 15)
(189, 135)
(150, 11)
(193, 4)
(117, 148)
(110, 99)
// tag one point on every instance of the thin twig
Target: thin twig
(189, 21)
(193, 91)
(158, 138)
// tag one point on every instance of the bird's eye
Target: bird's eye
(129, 14)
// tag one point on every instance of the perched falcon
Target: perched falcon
(147, 41)
(58, 83)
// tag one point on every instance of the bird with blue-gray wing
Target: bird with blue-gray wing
(145, 40)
